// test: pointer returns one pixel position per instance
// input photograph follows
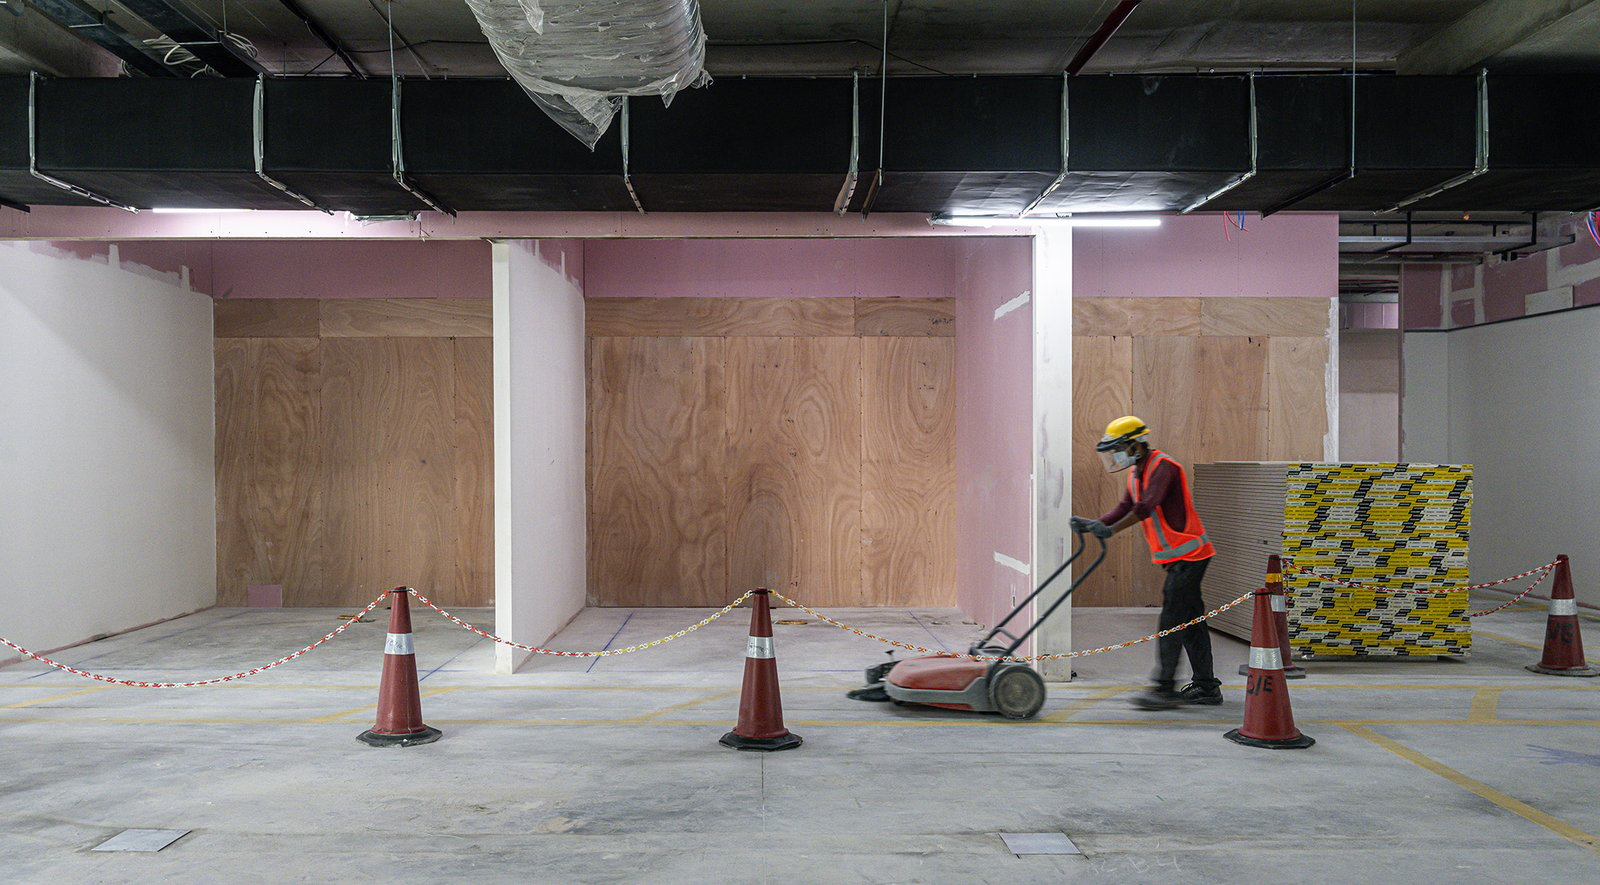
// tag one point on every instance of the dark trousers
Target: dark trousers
(1180, 601)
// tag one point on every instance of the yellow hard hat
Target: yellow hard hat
(1127, 429)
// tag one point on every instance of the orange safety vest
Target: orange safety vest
(1166, 543)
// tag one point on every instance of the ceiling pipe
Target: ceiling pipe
(1098, 38)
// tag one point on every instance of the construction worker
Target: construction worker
(1157, 495)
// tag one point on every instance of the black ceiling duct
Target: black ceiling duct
(743, 145)
(1151, 144)
(154, 143)
(961, 145)
(1302, 143)
(333, 141)
(1411, 134)
(481, 144)
(1544, 148)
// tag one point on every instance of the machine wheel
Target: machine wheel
(1016, 692)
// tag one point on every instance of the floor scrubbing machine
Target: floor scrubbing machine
(1011, 688)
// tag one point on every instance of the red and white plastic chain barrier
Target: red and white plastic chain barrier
(582, 654)
(134, 683)
(1050, 657)
(1542, 571)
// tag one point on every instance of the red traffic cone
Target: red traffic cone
(1280, 613)
(760, 709)
(1268, 720)
(399, 701)
(1563, 643)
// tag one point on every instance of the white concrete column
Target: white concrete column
(1052, 437)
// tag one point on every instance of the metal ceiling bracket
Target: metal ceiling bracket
(197, 35)
(397, 154)
(841, 203)
(627, 180)
(87, 23)
(327, 39)
(33, 153)
(13, 204)
(259, 142)
(1066, 144)
(1240, 179)
(1480, 166)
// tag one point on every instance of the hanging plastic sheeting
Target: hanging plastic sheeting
(577, 59)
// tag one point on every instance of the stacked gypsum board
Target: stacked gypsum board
(1241, 505)
(1398, 526)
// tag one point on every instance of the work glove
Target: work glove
(1092, 526)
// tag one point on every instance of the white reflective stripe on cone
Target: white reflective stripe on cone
(398, 644)
(1563, 606)
(1280, 603)
(1265, 659)
(759, 647)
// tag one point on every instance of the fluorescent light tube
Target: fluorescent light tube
(1046, 220)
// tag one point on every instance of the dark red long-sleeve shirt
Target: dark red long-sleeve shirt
(1163, 490)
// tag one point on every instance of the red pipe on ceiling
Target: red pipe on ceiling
(1099, 38)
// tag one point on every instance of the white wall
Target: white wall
(1052, 434)
(539, 421)
(107, 477)
(1425, 397)
(1525, 411)
(1369, 395)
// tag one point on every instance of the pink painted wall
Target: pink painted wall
(773, 268)
(1438, 296)
(994, 424)
(346, 269)
(1287, 255)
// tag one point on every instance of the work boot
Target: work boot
(1193, 693)
(1157, 698)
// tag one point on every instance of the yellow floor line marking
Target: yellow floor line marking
(1485, 705)
(56, 697)
(684, 705)
(333, 717)
(1479, 788)
(1523, 643)
(1078, 705)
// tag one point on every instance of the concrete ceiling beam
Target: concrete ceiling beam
(1493, 29)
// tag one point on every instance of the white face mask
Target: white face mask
(1118, 460)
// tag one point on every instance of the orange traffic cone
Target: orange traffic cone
(399, 701)
(1563, 643)
(1280, 613)
(1268, 720)
(760, 709)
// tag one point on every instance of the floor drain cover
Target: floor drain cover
(141, 840)
(1039, 843)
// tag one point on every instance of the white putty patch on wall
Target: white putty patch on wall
(1559, 298)
(1013, 304)
(1013, 564)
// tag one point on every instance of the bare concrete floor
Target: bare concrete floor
(608, 770)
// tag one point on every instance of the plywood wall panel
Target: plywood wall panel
(908, 471)
(906, 316)
(1269, 317)
(1099, 317)
(679, 317)
(657, 450)
(1297, 421)
(473, 458)
(794, 467)
(268, 488)
(406, 318)
(388, 444)
(265, 317)
(1102, 390)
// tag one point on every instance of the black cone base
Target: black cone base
(1294, 743)
(1577, 671)
(428, 735)
(1288, 671)
(740, 742)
